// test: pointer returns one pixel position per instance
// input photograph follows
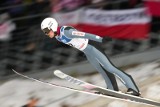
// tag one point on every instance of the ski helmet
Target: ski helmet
(49, 24)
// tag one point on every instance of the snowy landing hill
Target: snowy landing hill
(16, 92)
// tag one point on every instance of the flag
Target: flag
(121, 24)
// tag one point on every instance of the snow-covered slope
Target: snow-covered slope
(16, 92)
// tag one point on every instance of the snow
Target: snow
(118, 104)
(16, 92)
(154, 92)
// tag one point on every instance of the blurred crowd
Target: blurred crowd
(29, 12)
(20, 34)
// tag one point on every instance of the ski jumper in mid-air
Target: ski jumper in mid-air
(84, 42)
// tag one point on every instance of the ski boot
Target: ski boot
(133, 92)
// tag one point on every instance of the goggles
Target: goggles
(46, 31)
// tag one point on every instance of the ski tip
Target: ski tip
(59, 73)
(56, 72)
(13, 70)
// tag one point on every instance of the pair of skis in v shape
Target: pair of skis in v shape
(93, 89)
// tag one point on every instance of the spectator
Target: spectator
(32, 102)
(67, 5)
(37, 7)
(6, 27)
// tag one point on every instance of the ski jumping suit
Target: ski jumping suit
(80, 40)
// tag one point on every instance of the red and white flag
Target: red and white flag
(122, 24)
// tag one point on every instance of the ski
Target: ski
(58, 86)
(103, 91)
(44, 82)
(88, 88)
(54, 85)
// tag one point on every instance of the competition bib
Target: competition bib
(79, 43)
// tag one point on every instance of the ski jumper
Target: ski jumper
(81, 41)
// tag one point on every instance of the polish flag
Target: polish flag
(122, 24)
